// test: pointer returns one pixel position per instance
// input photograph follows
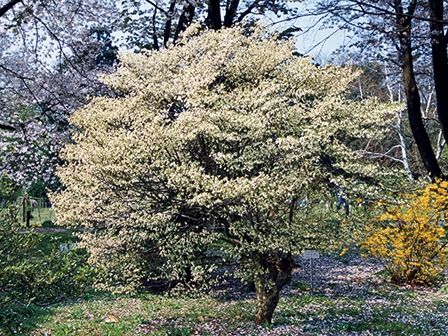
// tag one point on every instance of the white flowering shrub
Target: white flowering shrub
(216, 148)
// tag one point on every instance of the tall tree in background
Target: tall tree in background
(404, 26)
(50, 55)
(5, 8)
(401, 36)
(439, 39)
(153, 24)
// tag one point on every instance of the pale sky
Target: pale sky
(315, 40)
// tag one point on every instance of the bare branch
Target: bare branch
(6, 127)
(8, 6)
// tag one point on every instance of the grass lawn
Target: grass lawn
(338, 306)
(39, 216)
(350, 297)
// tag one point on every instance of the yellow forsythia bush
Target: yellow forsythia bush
(412, 239)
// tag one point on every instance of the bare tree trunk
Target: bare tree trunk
(274, 272)
(6, 127)
(439, 62)
(168, 23)
(403, 147)
(403, 22)
(155, 40)
(230, 15)
(8, 6)
(441, 142)
(388, 84)
(185, 19)
(214, 15)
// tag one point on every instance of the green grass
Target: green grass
(382, 310)
(90, 317)
(408, 313)
(40, 216)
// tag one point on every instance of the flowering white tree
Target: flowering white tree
(46, 52)
(216, 149)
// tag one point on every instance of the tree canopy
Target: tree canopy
(217, 149)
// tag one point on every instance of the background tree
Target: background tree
(153, 24)
(221, 148)
(47, 70)
(38, 108)
(439, 43)
(50, 59)
(402, 36)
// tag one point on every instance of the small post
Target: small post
(311, 274)
(28, 210)
(310, 255)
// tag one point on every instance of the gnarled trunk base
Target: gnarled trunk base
(266, 304)
(274, 272)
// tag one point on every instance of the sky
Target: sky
(315, 40)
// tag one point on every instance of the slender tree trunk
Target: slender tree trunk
(214, 15)
(439, 62)
(185, 19)
(8, 6)
(168, 23)
(441, 142)
(230, 15)
(411, 91)
(274, 272)
(155, 40)
(28, 218)
(403, 147)
(6, 127)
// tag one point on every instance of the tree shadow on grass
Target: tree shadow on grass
(27, 318)
(21, 319)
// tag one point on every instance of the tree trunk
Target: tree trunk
(168, 23)
(439, 62)
(185, 19)
(214, 15)
(6, 127)
(8, 6)
(230, 15)
(273, 273)
(266, 303)
(404, 28)
(28, 218)
(155, 40)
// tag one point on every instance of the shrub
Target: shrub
(33, 270)
(412, 239)
(213, 152)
